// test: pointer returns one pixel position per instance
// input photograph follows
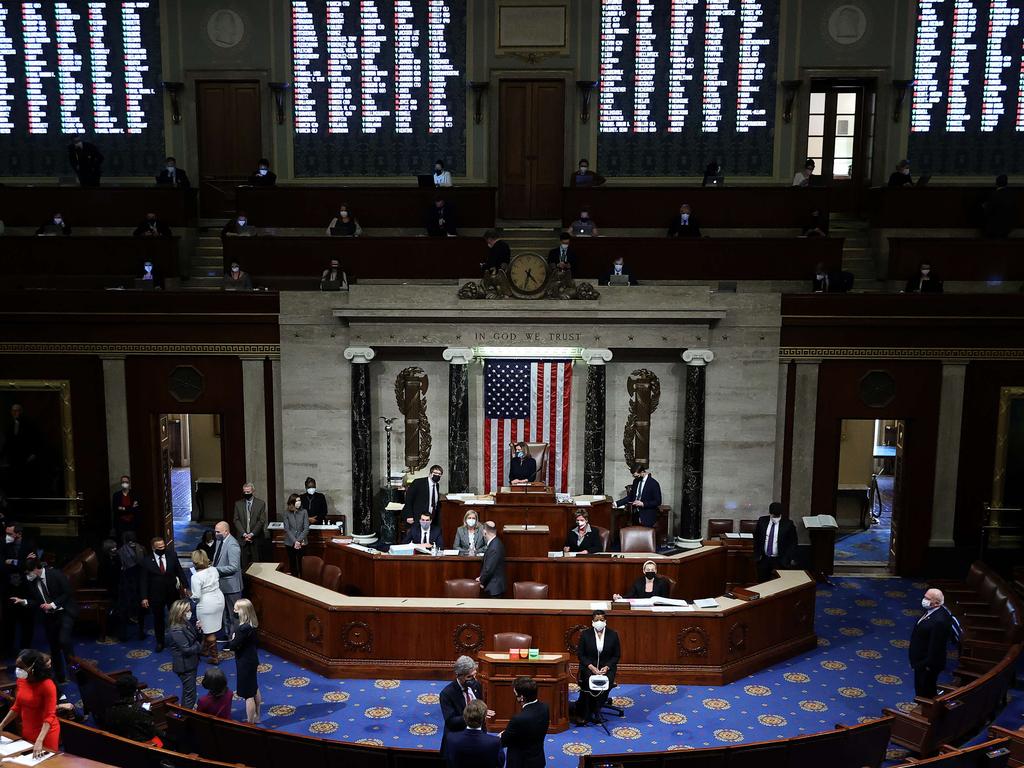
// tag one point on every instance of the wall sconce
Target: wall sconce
(174, 90)
(899, 95)
(789, 91)
(586, 88)
(479, 88)
(279, 89)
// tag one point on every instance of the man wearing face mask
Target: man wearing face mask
(648, 585)
(263, 177)
(901, 176)
(424, 496)
(774, 542)
(523, 467)
(54, 226)
(227, 559)
(250, 525)
(928, 643)
(161, 582)
(442, 178)
(440, 219)
(239, 226)
(925, 281)
(583, 540)
(48, 594)
(499, 254)
(315, 503)
(584, 177)
(644, 497)
(684, 224)
(17, 551)
(151, 226)
(125, 506)
(172, 176)
(236, 279)
(618, 269)
(583, 226)
(599, 652)
(563, 256)
(425, 533)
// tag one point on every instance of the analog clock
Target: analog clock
(528, 272)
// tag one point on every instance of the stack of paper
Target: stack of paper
(820, 521)
(361, 548)
(10, 747)
(458, 496)
(484, 500)
(746, 535)
(559, 553)
(394, 506)
(27, 759)
(705, 603)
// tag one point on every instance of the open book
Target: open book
(642, 601)
(820, 521)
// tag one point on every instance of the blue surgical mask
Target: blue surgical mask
(263, 171)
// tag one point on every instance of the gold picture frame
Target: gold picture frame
(1008, 396)
(61, 389)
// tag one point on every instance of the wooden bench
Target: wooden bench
(87, 741)
(99, 691)
(1015, 743)
(93, 599)
(956, 713)
(990, 754)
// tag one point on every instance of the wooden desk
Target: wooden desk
(367, 637)
(747, 207)
(314, 206)
(28, 206)
(931, 206)
(697, 573)
(989, 259)
(523, 541)
(550, 671)
(84, 262)
(61, 760)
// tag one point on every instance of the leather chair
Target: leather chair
(606, 536)
(503, 641)
(671, 586)
(637, 538)
(539, 452)
(462, 588)
(529, 590)
(312, 567)
(748, 526)
(719, 525)
(330, 577)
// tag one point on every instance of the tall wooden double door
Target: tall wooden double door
(531, 148)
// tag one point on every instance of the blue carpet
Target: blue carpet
(186, 533)
(872, 545)
(859, 667)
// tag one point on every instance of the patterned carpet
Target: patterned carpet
(186, 532)
(872, 545)
(859, 667)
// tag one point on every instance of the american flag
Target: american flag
(527, 400)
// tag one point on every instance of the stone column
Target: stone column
(693, 448)
(254, 414)
(458, 417)
(115, 399)
(951, 411)
(594, 426)
(801, 472)
(362, 467)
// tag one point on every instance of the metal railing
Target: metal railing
(997, 530)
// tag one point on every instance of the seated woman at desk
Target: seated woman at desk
(344, 224)
(523, 467)
(583, 540)
(648, 585)
(469, 537)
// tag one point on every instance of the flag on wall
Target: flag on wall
(527, 400)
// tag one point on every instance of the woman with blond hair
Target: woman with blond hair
(210, 603)
(183, 641)
(243, 643)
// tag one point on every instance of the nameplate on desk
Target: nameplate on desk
(559, 553)
(361, 548)
(526, 529)
(740, 593)
(276, 526)
(581, 502)
(621, 605)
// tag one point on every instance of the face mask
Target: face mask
(436, 478)
(343, 214)
(219, 536)
(170, 168)
(618, 268)
(311, 491)
(471, 523)
(9, 539)
(925, 271)
(247, 495)
(58, 220)
(820, 276)
(584, 217)
(581, 524)
(425, 525)
(905, 171)
(21, 674)
(159, 551)
(926, 603)
(519, 454)
(31, 576)
(598, 625)
(242, 222)
(298, 507)
(649, 575)
(125, 486)
(263, 171)
(235, 270)
(583, 169)
(148, 268)
(188, 615)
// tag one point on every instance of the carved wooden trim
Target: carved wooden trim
(468, 638)
(314, 630)
(357, 636)
(572, 637)
(737, 637)
(692, 641)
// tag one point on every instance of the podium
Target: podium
(531, 493)
(550, 670)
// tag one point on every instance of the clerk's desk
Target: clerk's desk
(367, 637)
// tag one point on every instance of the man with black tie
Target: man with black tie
(161, 581)
(928, 643)
(250, 524)
(474, 747)
(523, 737)
(774, 542)
(48, 591)
(492, 569)
(456, 695)
(563, 256)
(440, 219)
(315, 503)
(424, 495)
(643, 498)
(425, 534)
(599, 652)
(172, 176)
(684, 225)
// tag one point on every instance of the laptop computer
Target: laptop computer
(330, 285)
(923, 180)
(425, 180)
(141, 284)
(618, 280)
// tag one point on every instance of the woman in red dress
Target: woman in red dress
(35, 702)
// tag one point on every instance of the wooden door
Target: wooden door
(531, 140)
(164, 469)
(898, 483)
(230, 140)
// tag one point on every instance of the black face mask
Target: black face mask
(247, 495)
(435, 478)
(159, 552)
(649, 575)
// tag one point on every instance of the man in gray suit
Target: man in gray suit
(492, 570)
(227, 559)
(250, 525)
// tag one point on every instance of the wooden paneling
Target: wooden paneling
(531, 145)
(230, 139)
(931, 206)
(25, 206)
(72, 261)
(514, 143)
(957, 258)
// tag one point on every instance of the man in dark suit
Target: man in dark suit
(151, 226)
(643, 498)
(618, 269)
(424, 495)
(928, 643)
(263, 177)
(161, 580)
(524, 736)
(499, 254)
(492, 570)
(456, 695)
(563, 256)
(440, 219)
(47, 591)
(315, 503)
(172, 175)
(250, 525)
(86, 161)
(599, 652)
(474, 747)
(684, 225)
(17, 551)
(1000, 210)
(774, 542)
(426, 533)
(125, 507)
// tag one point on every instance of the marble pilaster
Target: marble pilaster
(947, 453)
(801, 474)
(362, 415)
(115, 401)
(594, 427)
(693, 448)
(254, 413)
(458, 417)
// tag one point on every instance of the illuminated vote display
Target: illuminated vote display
(685, 82)
(80, 66)
(378, 86)
(967, 100)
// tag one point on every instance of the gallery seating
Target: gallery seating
(86, 741)
(84, 262)
(1015, 743)
(98, 690)
(106, 206)
(991, 260)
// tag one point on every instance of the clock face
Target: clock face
(528, 272)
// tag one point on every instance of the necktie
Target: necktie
(640, 489)
(163, 568)
(769, 546)
(433, 496)
(216, 553)
(423, 536)
(562, 255)
(469, 694)
(43, 591)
